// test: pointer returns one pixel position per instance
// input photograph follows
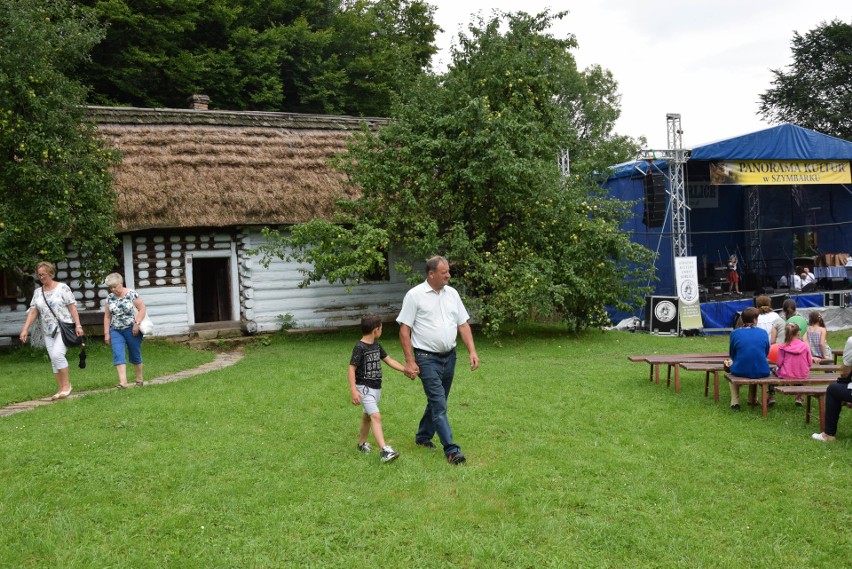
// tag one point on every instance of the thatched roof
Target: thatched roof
(200, 168)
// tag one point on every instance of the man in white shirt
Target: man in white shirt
(807, 277)
(795, 282)
(432, 315)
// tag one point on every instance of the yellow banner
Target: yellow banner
(778, 173)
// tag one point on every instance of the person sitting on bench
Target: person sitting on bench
(794, 357)
(808, 279)
(836, 395)
(748, 349)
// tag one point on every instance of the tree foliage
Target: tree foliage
(54, 178)
(468, 169)
(815, 93)
(321, 56)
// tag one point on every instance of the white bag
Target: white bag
(146, 327)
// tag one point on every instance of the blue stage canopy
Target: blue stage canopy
(783, 142)
(716, 226)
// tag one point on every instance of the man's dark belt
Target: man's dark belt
(434, 353)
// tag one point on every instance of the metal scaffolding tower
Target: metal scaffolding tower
(565, 162)
(675, 156)
(677, 184)
(754, 250)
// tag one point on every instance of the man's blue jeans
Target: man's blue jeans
(436, 375)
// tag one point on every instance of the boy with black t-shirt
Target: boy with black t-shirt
(365, 383)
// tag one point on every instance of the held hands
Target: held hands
(411, 370)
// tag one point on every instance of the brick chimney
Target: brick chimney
(198, 102)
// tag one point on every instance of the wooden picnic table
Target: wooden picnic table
(819, 378)
(673, 361)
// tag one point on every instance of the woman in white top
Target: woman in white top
(770, 321)
(53, 298)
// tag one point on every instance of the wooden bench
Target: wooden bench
(717, 367)
(764, 383)
(835, 354)
(810, 391)
(707, 367)
(673, 361)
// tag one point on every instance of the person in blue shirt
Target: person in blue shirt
(748, 349)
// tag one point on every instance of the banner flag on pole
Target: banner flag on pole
(689, 306)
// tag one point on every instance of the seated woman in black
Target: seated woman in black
(836, 395)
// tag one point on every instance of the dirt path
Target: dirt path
(222, 360)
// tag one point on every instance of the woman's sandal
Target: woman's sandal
(118, 385)
(140, 383)
(61, 394)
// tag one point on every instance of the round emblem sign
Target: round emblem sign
(688, 290)
(665, 311)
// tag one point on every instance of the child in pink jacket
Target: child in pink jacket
(794, 357)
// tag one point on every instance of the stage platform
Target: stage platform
(720, 313)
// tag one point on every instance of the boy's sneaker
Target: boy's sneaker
(388, 454)
(365, 448)
(799, 401)
(426, 444)
(456, 458)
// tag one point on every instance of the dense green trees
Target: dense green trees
(321, 56)
(54, 180)
(468, 168)
(815, 93)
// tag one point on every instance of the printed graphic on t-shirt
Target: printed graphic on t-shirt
(367, 359)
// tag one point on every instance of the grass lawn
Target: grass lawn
(26, 372)
(574, 460)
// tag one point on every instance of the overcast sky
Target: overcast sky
(708, 61)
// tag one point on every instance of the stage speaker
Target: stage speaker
(750, 281)
(661, 315)
(768, 290)
(837, 283)
(778, 300)
(655, 200)
(834, 299)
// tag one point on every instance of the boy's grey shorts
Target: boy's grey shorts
(369, 398)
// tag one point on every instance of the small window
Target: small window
(8, 286)
(380, 274)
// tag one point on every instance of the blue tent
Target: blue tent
(717, 226)
(783, 142)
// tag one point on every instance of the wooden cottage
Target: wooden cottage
(194, 188)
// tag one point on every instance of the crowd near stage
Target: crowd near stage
(720, 313)
(722, 205)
